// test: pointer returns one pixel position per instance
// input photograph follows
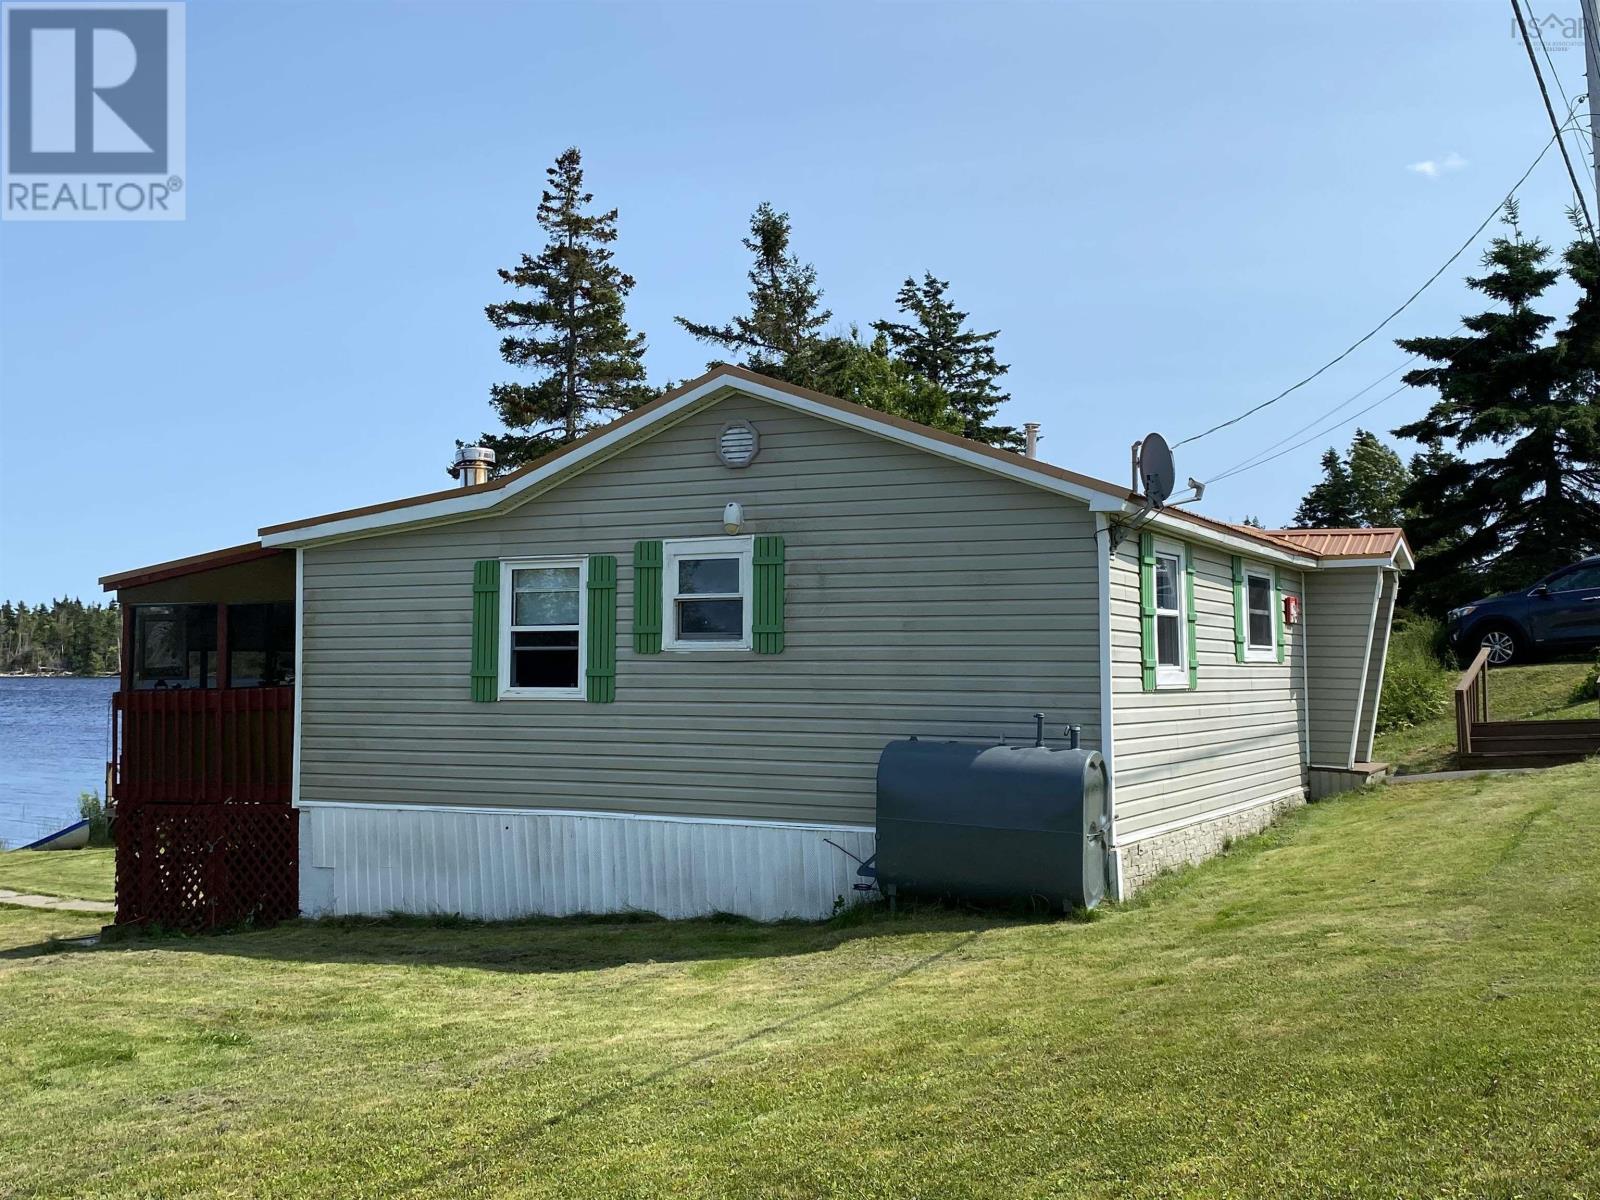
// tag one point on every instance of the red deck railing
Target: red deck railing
(203, 746)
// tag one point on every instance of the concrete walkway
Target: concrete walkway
(55, 903)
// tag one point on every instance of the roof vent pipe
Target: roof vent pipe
(1030, 432)
(472, 465)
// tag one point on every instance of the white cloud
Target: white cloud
(1435, 167)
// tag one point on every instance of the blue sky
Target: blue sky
(1171, 211)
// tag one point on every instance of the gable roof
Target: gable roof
(461, 503)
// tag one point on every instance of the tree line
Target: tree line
(567, 326)
(66, 637)
(1506, 487)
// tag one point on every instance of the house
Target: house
(655, 669)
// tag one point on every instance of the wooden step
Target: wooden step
(1519, 758)
(1536, 728)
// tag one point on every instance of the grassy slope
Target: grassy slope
(1538, 692)
(86, 874)
(1392, 994)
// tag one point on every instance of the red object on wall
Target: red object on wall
(1291, 610)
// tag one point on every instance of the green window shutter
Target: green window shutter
(1194, 618)
(1277, 609)
(1240, 612)
(486, 630)
(767, 622)
(602, 631)
(1147, 609)
(647, 597)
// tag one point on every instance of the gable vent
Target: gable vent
(738, 444)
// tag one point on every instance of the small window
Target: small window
(706, 593)
(260, 645)
(174, 646)
(1261, 626)
(1171, 668)
(541, 648)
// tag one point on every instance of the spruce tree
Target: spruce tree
(570, 330)
(1378, 481)
(866, 373)
(1528, 500)
(779, 335)
(1329, 503)
(935, 343)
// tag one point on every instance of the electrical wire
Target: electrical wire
(1379, 327)
(1249, 461)
(1544, 92)
(1321, 433)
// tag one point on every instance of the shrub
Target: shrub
(1416, 682)
(1588, 687)
(93, 810)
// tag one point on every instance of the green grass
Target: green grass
(1542, 691)
(1391, 994)
(85, 874)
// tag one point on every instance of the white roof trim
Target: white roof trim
(455, 508)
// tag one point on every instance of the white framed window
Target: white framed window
(705, 601)
(542, 628)
(1172, 648)
(1260, 622)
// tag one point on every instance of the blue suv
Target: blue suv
(1559, 613)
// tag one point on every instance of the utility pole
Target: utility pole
(1591, 42)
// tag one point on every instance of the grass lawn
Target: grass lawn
(1539, 692)
(86, 874)
(1391, 994)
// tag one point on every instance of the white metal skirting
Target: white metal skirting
(483, 863)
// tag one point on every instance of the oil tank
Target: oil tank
(992, 822)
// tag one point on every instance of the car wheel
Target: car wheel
(1503, 644)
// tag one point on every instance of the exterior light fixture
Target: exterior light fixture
(732, 517)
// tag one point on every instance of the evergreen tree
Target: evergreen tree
(935, 343)
(1529, 500)
(570, 330)
(1378, 481)
(1330, 503)
(866, 373)
(780, 334)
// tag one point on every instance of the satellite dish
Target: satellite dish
(1156, 472)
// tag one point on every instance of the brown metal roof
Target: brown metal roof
(1343, 543)
(210, 561)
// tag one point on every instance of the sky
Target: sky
(1170, 211)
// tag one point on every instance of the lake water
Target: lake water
(54, 737)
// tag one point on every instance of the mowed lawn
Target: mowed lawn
(1392, 994)
(85, 874)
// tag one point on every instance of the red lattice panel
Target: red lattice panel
(205, 866)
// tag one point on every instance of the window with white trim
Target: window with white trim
(1172, 666)
(706, 593)
(1260, 623)
(541, 628)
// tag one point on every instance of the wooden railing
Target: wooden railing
(203, 746)
(1472, 701)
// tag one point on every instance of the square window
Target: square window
(706, 586)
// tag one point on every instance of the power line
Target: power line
(1248, 461)
(1314, 437)
(1544, 92)
(1378, 328)
(1544, 49)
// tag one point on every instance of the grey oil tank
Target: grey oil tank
(992, 822)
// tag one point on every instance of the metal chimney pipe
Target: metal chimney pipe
(1072, 735)
(1038, 729)
(1030, 432)
(472, 465)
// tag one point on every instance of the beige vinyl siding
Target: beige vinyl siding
(1339, 613)
(1181, 755)
(1375, 665)
(922, 597)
